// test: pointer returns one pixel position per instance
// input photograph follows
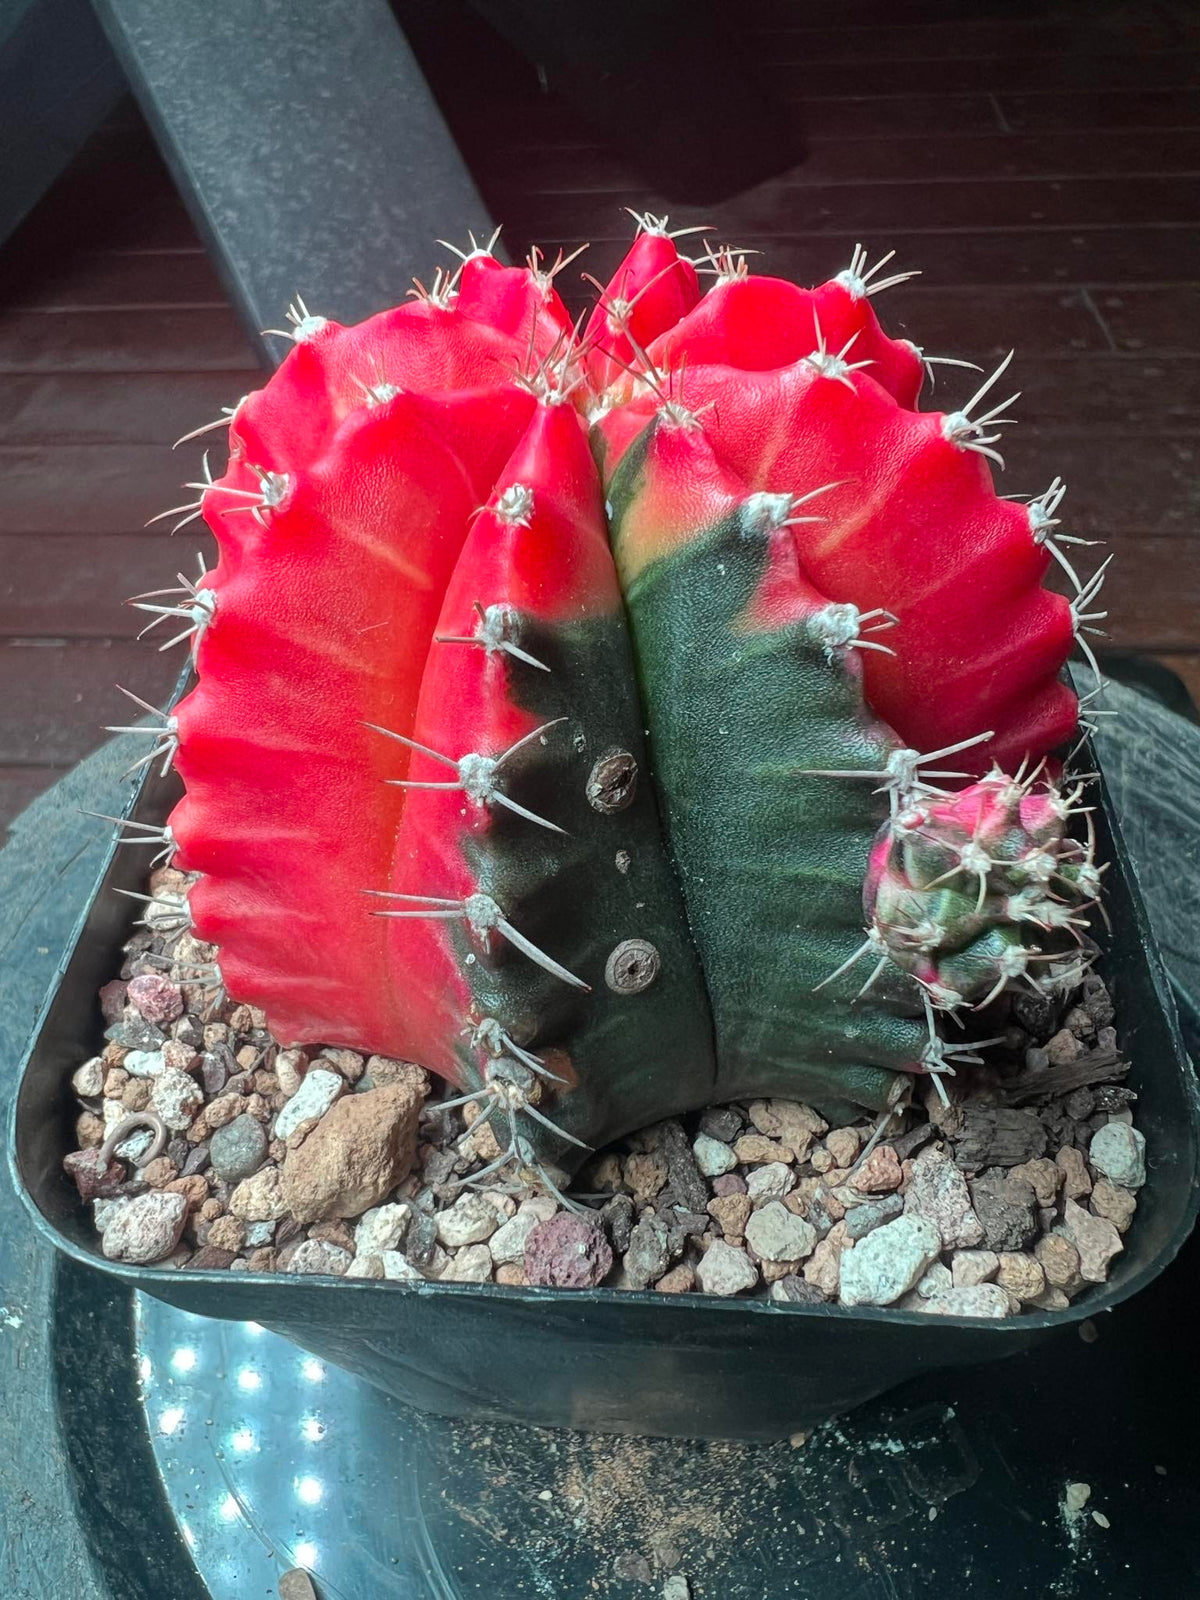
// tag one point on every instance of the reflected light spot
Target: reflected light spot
(184, 1359)
(313, 1369)
(254, 1327)
(313, 1429)
(249, 1379)
(229, 1510)
(170, 1420)
(310, 1491)
(306, 1554)
(242, 1440)
(145, 1369)
(188, 1535)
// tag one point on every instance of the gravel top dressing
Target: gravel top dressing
(204, 1144)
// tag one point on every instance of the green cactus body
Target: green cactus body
(745, 688)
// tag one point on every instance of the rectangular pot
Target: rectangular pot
(690, 1366)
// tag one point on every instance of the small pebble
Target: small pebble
(722, 1123)
(472, 1264)
(88, 1080)
(753, 1148)
(775, 1234)
(382, 1228)
(680, 1280)
(567, 1252)
(1119, 1153)
(1021, 1275)
(144, 1229)
(731, 1212)
(398, 1268)
(144, 1063)
(972, 1267)
(238, 1149)
(725, 1270)
(864, 1219)
(1076, 1182)
(981, 1300)
(1113, 1204)
(793, 1291)
(676, 1587)
(646, 1259)
(313, 1098)
(769, 1182)
(937, 1190)
(879, 1173)
(1059, 1261)
(509, 1240)
(712, 1157)
(157, 998)
(296, 1585)
(1096, 1240)
(470, 1220)
(315, 1257)
(888, 1262)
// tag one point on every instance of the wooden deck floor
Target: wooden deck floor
(1040, 165)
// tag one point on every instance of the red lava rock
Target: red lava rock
(157, 998)
(566, 1253)
(112, 1001)
(95, 1179)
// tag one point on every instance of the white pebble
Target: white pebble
(771, 1181)
(712, 1157)
(312, 1099)
(146, 1228)
(775, 1234)
(88, 1080)
(398, 1268)
(381, 1228)
(144, 1063)
(1119, 1153)
(176, 1097)
(888, 1262)
(470, 1220)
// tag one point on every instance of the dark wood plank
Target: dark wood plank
(116, 408)
(74, 585)
(58, 694)
(1153, 491)
(86, 280)
(1131, 106)
(1149, 321)
(780, 210)
(124, 341)
(597, 170)
(1188, 668)
(1013, 74)
(1143, 29)
(94, 489)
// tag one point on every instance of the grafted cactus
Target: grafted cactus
(561, 769)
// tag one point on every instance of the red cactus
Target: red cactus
(413, 543)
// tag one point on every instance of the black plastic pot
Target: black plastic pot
(690, 1366)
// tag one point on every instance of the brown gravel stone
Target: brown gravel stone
(732, 1212)
(194, 1190)
(348, 1063)
(753, 1148)
(116, 1079)
(511, 1274)
(1059, 1261)
(843, 1145)
(211, 1258)
(1096, 1240)
(793, 1124)
(290, 1067)
(227, 1233)
(178, 1056)
(879, 1174)
(822, 1161)
(1044, 1176)
(334, 1233)
(680, 1280)
(969, 1268)
(260, 1198)
(276, 1151)
(1021, 1275)
(645, 1174)
(258, 1107)
(1063, 1048)
(1114, 1204)
(223, 1109)
(385, 1072)
(211, 1209)
(1076, 1182)
(136, 1094)
(823, 1266)
(358, 1152)
(159, 1172)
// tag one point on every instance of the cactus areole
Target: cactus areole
(587, 717)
